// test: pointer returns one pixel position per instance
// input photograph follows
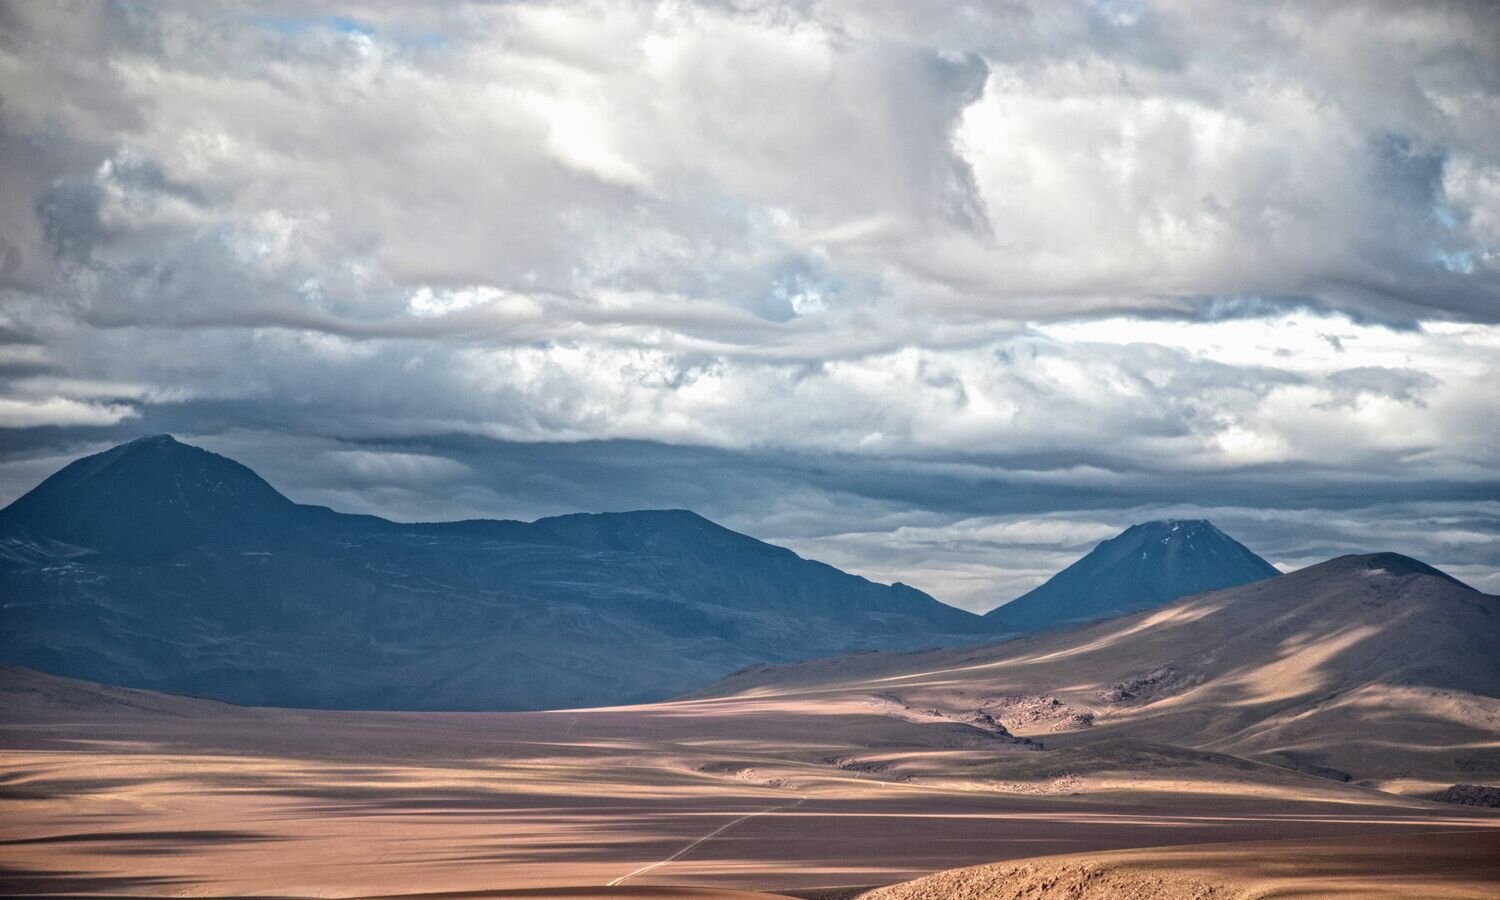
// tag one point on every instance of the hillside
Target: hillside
(160, 565)
(1374, 668)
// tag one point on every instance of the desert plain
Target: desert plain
(1301, 736)
(794, 792)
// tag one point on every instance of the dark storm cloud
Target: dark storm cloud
(974, 531)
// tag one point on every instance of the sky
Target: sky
(942, 293)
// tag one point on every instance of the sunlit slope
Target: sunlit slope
(1365, 667)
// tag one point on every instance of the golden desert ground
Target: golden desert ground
(1233, 744)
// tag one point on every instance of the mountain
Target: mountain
(160, 565)
(1144, 566)
(152, 497)
(1375, 668)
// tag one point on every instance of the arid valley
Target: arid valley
(825, 779)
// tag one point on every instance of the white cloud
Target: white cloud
(61, 411)
(379, 467)
(427, 301)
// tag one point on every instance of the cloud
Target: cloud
(1064, 159)
(953, 269)
(60, 411)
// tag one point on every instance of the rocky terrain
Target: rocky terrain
(1420, 867)
(1037, 713)
(1471, 795)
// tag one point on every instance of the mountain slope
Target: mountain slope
(1144, 566)
(160, 565)
(1369, 667)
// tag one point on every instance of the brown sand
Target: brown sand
(104, 791)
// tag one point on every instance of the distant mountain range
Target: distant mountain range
(160, 565)
(1145, 566)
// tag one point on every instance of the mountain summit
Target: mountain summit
(1144, 566)
(150, 498)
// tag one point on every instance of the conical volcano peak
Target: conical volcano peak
(1146, 565)
(151, 497)
(176, 470)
